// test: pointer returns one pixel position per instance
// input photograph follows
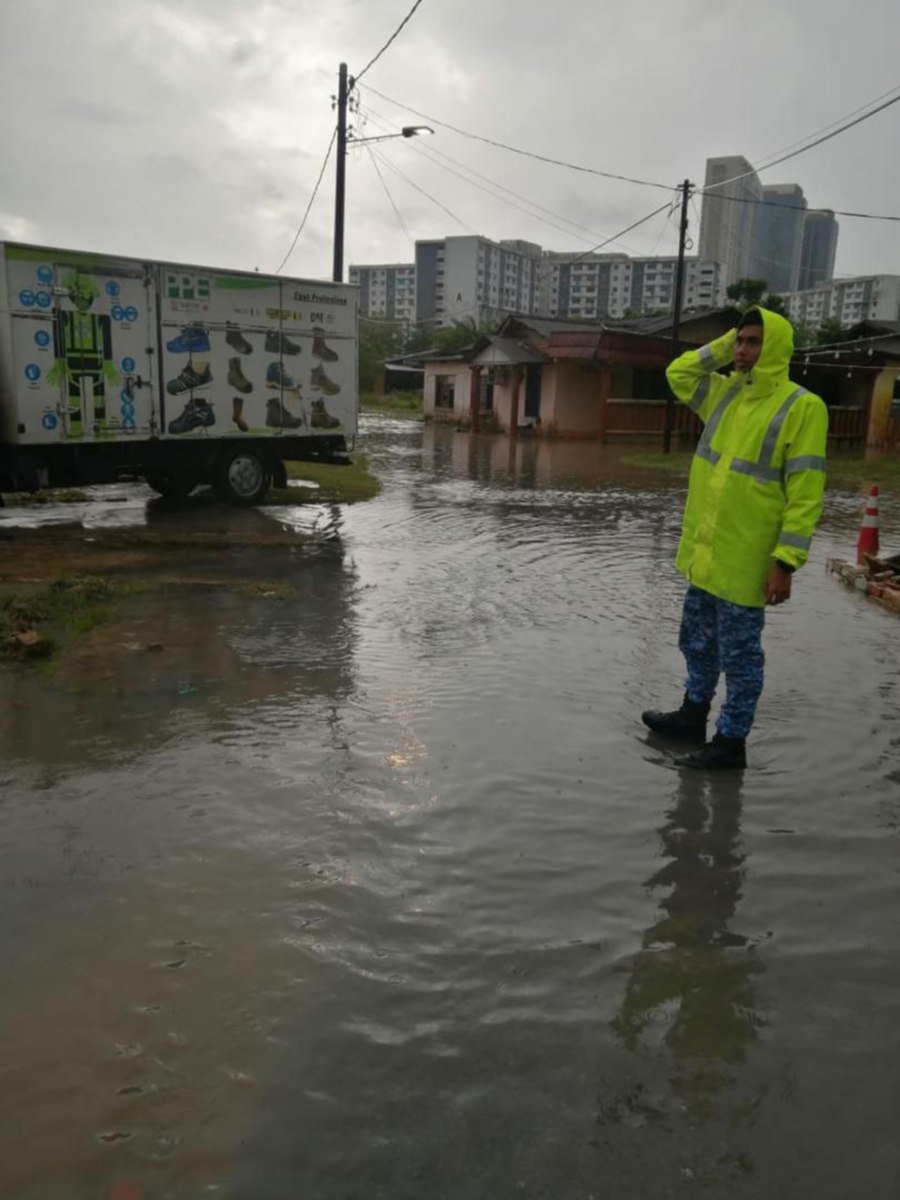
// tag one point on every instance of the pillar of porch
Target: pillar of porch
(474, 397)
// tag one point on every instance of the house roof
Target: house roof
(503, 351)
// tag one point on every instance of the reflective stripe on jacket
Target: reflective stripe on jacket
(758, 475)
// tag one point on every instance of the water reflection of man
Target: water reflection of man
(693, 977)
(755, 497)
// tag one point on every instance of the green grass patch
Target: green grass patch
(842, 471)
(677, 463)
(49, 496)
(39, 623)
(336, 484)
(397, 404)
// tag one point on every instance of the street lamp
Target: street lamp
(345, 86)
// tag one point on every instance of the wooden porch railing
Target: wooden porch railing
(646, 418)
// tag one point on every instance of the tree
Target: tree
(378, 341)
(831, 330)
(747, 292)
(775, 304)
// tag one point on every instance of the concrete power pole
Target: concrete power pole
(676, 315)
(344, 86)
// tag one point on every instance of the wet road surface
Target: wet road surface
(377, 889)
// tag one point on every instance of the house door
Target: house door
(532, 391)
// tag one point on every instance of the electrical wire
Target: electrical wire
(311, 200)
(394, 35)
(875, 337)
(435, 157)
(834, 212)
(557, 162)
(641, 221)
(811, 145)
(387, 162)
(387, 192)
(440, 159)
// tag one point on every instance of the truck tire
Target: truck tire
(173, 484)
(242, 475)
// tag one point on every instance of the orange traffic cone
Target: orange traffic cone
(868, 532)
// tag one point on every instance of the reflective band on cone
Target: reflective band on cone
(867, 542)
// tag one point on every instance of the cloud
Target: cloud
(196, 129)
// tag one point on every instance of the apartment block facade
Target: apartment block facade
(386, 290)
(818, 249)
(729, 215)
(614, 285)
(474, 278)
(863, 298)
(780, 222)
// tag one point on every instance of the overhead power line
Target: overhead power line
(309, 206)
(810, 145)
(527, 206)
(837, 212)
(616, 236)
(556, 162)
(394, 35)
(387, 192)
(387, 162)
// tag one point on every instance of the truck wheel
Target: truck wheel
(174, 485)
(242, 476)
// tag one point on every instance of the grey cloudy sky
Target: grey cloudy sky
(195, 129)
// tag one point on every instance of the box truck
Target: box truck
(113, 368)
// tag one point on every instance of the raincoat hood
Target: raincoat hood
(774, 361)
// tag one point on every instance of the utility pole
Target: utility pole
(676, 315)
(344, 87)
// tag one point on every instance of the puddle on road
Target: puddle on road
(376, 886)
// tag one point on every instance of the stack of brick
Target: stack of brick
(877, 577)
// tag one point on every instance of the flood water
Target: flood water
(378, 890)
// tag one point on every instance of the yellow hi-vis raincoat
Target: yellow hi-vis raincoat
(758, 475)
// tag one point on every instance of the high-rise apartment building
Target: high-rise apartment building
(473, 278)
(614, 285)
(818, 249)
(386, 290)
(729, 214)
(779, 236)
(863, 298)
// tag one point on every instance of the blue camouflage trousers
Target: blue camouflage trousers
(719, 636)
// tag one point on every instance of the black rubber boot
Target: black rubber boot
(721, 754)
(688, 722)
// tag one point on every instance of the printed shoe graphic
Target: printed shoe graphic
(189, 379)
(319, 382)
(280, 343)
(277, 377)
(320, 349)
(193, 339)
(236, 339)
(321, 418)
(197, 414)
(236, 377)
(278, 417)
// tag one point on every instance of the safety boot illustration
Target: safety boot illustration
(321, 418)
(236, 339)
(277, 377)
(320, 349)
(236, 377)
(319, 382)
(278, 417)
(237, 413)
(197, 414)
(280, 343)
(193, 376)
(193, 339)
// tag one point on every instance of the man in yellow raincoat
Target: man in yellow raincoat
(755, 497)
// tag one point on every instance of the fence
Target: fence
(646, 419)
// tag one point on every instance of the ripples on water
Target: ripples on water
(396, 900)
